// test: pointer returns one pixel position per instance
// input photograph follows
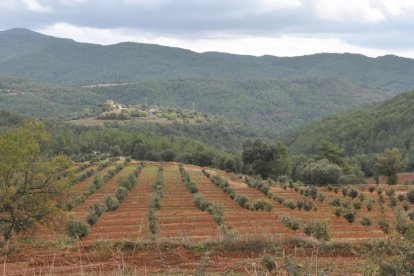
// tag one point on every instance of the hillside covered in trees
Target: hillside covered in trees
(50, 59)
(362, 131)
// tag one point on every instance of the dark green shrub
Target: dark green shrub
(379, 191)
(321, 197)
(300, 204)
(401, 198)
(410, 196)
(366, 221)
(243, 201)
(336, 202)
(155, 202)
(384, 226)
(152, 221)
(370, 205)
(411, 215)
(307, 205)
(216, 212)
(291, 223)
(121, 193)
(193, 188)
(353, 193)
(317, 229)
(371, 189)
(289, 204)
(94, 213)
(279, 199)
(338, 212)
(349, 215)
(77, 229)
(111, 203)
(263, 205)
(200, 202)
(268, 262)
(406, 206)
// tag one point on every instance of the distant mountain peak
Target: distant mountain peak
(19, 31)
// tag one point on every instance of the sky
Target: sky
(248, 27)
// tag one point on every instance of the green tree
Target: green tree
(321, 172)
(30, 182)
(266, 160)
(389, 163)
(331, 152)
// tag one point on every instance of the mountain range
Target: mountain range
(272, 93)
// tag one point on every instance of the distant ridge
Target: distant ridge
(56, 60)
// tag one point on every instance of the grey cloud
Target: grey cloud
(200, 19)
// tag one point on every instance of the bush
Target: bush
(279, 199)
(263, 205)
(370, 205)
(291, 223)
(268, 262)
(349, 215)
(152, 220)
(300, 204)
(336, 202)
(121, 193)
(366, 221)
(307, 205)
(155, 202)
(411, 215)
(406, 206)
(321, 198)
(357, 205)
(338, 212)
(243, 201)
(77, 229)
(200, 202)
(192, 187)
(317, 229)
(371, 189)
(410, 196)
(94, 213)
(111, 203)
(384, 226)
(216, 212)
(289, 204)
(353, 193)
(321, 172)
(401, 198)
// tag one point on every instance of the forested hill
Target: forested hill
(370, 130)
(272, 105)
(49, 59)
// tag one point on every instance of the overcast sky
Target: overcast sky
(253, 27)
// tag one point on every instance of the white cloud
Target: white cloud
(148, 4)
(350, 10)
(35, 6)
(285, 45)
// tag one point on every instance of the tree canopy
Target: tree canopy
(30, 181)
